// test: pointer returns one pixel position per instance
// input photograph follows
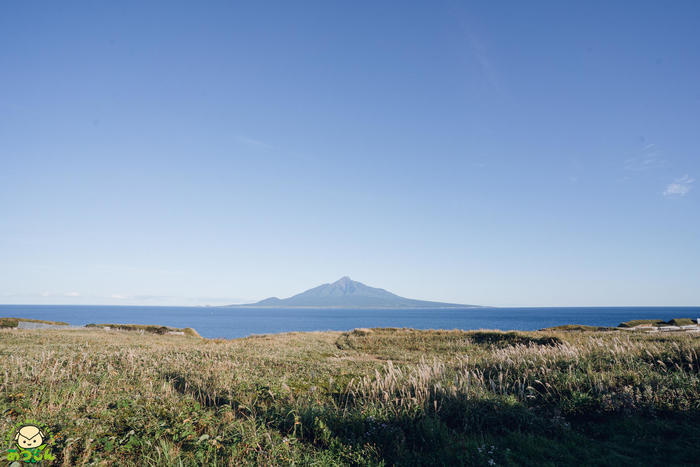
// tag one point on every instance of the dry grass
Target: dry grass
(150, 328)
(361, 397)
(657, 322)
(14, 322)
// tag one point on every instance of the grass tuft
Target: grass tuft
(14, 322)
(657, 322)
(148, 328)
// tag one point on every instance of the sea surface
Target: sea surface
(241, 322)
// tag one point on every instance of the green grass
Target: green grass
(366, 397)
(14, 322)
(681, 322)
(641, 322)
(9, 322)
(657, 322)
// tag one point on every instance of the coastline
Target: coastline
(675, 325)
(230, 323)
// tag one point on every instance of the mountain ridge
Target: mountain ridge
(347, 293)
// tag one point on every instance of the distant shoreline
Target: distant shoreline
(676, 325)
(345, 307)
(231, 322)
(282, 307)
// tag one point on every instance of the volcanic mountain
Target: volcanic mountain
(347, 293)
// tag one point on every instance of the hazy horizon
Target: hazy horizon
(165, 153)
(209, 301)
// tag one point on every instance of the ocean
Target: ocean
(240, 322)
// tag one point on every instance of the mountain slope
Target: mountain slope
(346, 293)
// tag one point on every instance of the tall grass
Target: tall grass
(605, 374)
(393, 396)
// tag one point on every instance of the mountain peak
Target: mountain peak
(347, 293)
(346, 284)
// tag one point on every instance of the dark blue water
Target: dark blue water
(240, 322)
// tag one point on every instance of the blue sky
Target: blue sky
(497, 153)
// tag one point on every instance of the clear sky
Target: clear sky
(497, 153)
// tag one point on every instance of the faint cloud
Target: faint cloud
(680, 187)
(71, 294)
(648, 158)
(478, 49)
(482, 57)
(252, 143)
(118, 297)
(151, 297)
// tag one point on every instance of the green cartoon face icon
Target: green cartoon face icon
(29, 437)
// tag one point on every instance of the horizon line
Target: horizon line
(252, 305)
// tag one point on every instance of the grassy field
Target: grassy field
(657, 322)
(370, 396)
(14, 322)
(150, 328)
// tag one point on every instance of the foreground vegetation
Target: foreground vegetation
(657, 322)
(14, 322)
(150, 328)
(370, 396)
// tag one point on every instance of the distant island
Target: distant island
(347, 293)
